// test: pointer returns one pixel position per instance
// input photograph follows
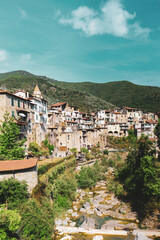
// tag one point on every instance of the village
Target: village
(67, 127)
(97, 203)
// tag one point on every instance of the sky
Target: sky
(82, 40)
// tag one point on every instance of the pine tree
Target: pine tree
(10, 146)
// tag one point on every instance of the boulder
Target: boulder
(75, 208)
(87, 205)
(58, 222)
(139, 236)
(67, 238)
(83, 210)
(88, 223)
(98, 212)
(75, 214)
(98, 237)
(70, 211)
(72, 224)
(111, 225)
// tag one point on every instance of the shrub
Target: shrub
(37, 221)
(9, 224)
(13, 192)
(64, 190)
(84, 150)
(105, 152)
(88, 176)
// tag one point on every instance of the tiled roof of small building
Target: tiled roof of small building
(12, 165)
(58, 104)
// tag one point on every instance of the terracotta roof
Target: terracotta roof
(6, 92)
(58, 104)
(12, 165)
(151, 122)
(63, 148)
(72, 122)
(129, 108)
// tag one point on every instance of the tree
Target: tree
(74, 151)
(49, 146)
(140, 176)
(35, 149)
(13, 192)
(37, 220)
(9, 224)
(157, 133)
(10, 144)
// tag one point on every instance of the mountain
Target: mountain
(88, 96)
(23, 80)
(120, 93)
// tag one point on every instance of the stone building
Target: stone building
(21, 170)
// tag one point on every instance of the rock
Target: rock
(75, 214)
(90, 193)
(98, 237)
(72, 224)
(65, 222)
(122, 211)
(95, 203)
(103, 207)
(70, 211)
(87, 205)
(67, 238)
(83, 210)
(88, 223)
(139, 236)
(58, 222)
(90, 212)
(130, 226)
(75, 208)
(110, 225)
(98, 212)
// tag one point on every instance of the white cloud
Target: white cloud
(57, 13)
(3, 55)
(25, 57)
(23, 13)
(113, 19)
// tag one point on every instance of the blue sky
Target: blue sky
(82, 40)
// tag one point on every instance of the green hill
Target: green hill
(121, 93)
(52, 93)
(88, 96)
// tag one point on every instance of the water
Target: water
(99, 221)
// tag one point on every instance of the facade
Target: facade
(29, 111)
(67, 127)
(22, 170)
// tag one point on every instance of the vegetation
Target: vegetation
(140, 177)
(23, 80)
(13, 193)
(49, 146)
(10, 145)
(84, 150)
(124, 142)
(9, 224)
(64, 190)
(157, 133)
(37, 220)
(89, 176)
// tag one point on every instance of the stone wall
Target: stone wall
(28, 175)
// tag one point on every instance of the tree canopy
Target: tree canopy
(11, 147)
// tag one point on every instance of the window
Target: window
(24, 105)
(12, 113)
(19, 103)
(12, 101)
(36, 117)
(68, 137)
